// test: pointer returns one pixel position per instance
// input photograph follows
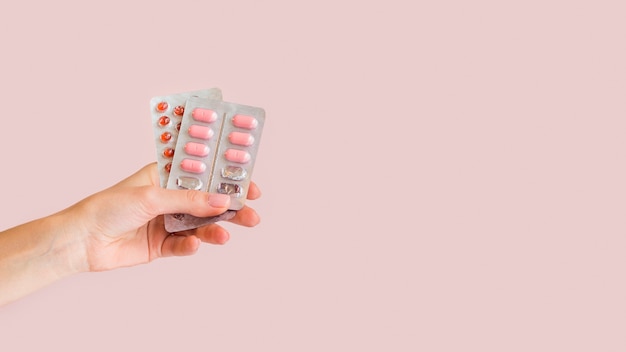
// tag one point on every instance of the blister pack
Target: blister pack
(167, 112)
(217, 147)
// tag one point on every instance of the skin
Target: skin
(118, 227)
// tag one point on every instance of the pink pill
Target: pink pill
(245, 121)
(241, 138)
(237, 156)
(194, 166)
(204, 115)
(201, 132)
(197, 149)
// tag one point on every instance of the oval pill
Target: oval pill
(194, 166)
(237, 156)
(241, 138)
(197, 149)
(202, 132)
(245, 121)
(204, 115)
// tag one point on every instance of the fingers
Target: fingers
(187, 242)
(216, 234)
(158, 201)
(213, 234)
(253, 191)
(246, 216)
(175, 245)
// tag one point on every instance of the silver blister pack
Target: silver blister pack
(215, 152)
(167, 112)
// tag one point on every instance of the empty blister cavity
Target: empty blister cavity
(167, 112)
(235, 173)
(231, 189)
(187, 182)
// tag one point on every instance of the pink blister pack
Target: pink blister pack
(215, 149)
(167, 113)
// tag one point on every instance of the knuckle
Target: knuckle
(149, 199)
(196, 197)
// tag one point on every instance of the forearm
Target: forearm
(36, 254)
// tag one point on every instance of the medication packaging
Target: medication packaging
(212, 148)
(167, 112)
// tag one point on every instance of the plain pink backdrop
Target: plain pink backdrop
(437, 176)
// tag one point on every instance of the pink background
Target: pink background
(437, 176)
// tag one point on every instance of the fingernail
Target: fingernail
(219, 200)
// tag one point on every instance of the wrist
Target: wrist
(37, 253)
(66, 251)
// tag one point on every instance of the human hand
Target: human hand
(123, 225)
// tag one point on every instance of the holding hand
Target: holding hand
(117, 227)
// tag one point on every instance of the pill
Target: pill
(237, 156)
(178, 126)
(162, 106)
(245, 121)
(187, 182)
(179, 110)
(236, 173)
(241, 138)
(168, 167)
(229, 188)
(165, 137)
(164, 121)
(202, 132)
(168, 152)
(204, 115)
(197, 149)
(194, 166)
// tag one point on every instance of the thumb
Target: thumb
(197, 203)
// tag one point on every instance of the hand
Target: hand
(123, 225)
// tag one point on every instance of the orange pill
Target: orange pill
(162, 106)
(179, 110)
(168, 152)
(164, 121)
(165, 137)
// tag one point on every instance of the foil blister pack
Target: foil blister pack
(167, 113)
(206, 144)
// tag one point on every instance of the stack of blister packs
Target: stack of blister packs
(204, 143)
